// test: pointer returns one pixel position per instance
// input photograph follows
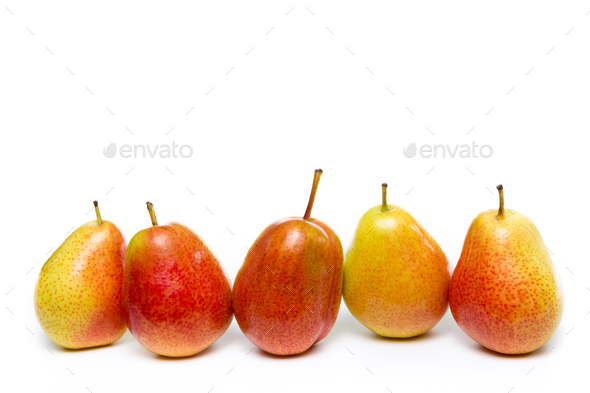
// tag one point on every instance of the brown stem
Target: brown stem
(501, 209)
(150, 208)
(98, 217)
(314, 188)
(384, 197)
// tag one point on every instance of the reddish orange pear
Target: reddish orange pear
(78, 293)
(176, 295)
(287, 294)
(505, 292)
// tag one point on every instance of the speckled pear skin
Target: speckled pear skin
(396, 277)
(176, 296)
(287, 294)
(505, 292)
(78, 293)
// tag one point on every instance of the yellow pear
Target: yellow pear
(396, 277)
(78, 293)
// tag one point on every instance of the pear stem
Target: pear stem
(98, 217)
(314, 188)
(501, 209)
(150, 207)
(384, 197)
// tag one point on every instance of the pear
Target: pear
(78, 292)
(505, 292)
(176, 296)
(396, 277)
(287, 294)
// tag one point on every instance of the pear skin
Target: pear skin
(176, 295)
(287, 294)
(78, 292)
(505, 292)
(396, 277)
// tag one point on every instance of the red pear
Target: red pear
(176, 296)
(287, 293)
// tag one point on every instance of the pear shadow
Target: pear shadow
(314, 349)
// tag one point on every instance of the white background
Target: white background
(341, 86)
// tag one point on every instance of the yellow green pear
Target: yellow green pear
(396, 277)
(78, 293)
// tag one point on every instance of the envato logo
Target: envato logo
(145, 151)
(461, 151)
